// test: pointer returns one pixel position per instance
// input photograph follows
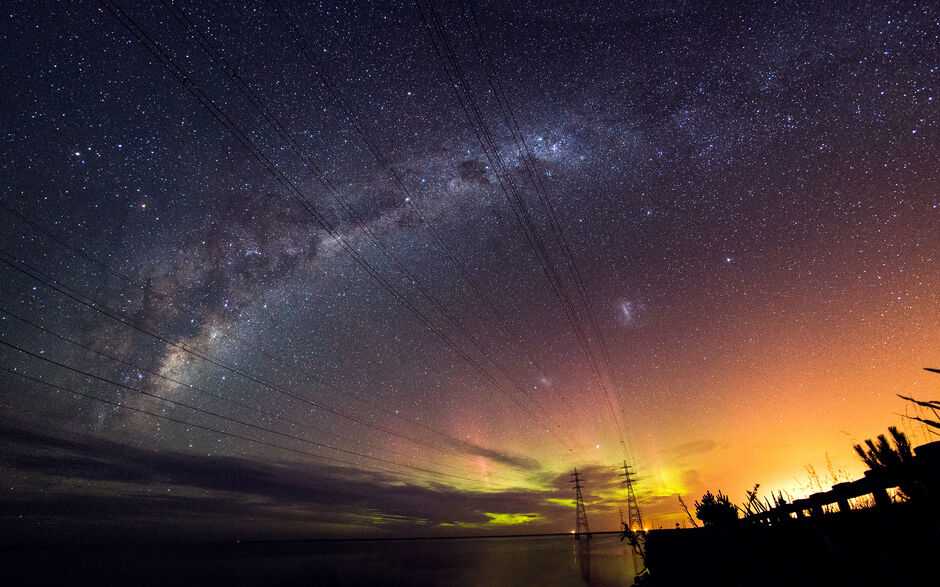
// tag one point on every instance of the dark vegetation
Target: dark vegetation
(856, 533)
(933, 406)
(685, 508)
(881, 454)
(716, 510)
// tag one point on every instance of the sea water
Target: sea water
(544, 561)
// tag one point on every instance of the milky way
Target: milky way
(361, 261)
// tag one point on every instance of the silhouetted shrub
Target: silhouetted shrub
(716, 510)
(881, 455)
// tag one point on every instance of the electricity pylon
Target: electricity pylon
(581, 523)
(634, 519)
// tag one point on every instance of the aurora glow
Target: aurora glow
(748, 194)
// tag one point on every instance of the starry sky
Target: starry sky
(284, 269)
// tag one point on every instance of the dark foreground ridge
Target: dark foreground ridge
(817, 541)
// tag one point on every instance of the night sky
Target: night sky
(280, 269)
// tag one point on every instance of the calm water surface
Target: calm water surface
(543, 561)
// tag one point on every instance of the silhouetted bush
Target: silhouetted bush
(881, 455)
(716, 510)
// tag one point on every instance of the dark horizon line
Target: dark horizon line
(287, 540)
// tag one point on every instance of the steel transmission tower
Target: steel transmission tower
(581, 523)
(634, 519)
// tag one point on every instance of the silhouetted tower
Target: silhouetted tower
(581, 523)
(634, 519)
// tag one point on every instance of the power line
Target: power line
(301, 199)
(344, 203)
(448, 56)
(574, 320)
(135, 367)
(529, 164)
(228, 419)
(197, 389)
(211, 429)
(177, 308)
(104, 310)
(384, 162)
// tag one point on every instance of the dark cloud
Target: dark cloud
(375, 204)
(472, 172)
(516, 461)
(693, 447)
(256, 238)
(172, 486)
